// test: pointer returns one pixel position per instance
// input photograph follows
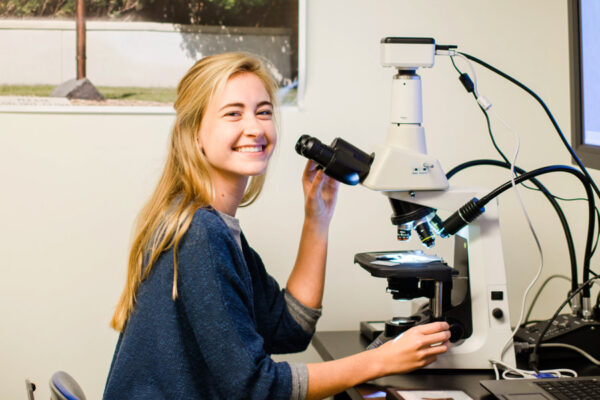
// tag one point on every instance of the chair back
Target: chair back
(64, 387)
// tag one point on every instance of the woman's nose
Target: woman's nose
(253, 127)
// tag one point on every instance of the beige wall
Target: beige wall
(72, 183)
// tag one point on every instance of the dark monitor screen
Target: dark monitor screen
(584, 30)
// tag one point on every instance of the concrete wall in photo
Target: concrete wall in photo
(128, 53)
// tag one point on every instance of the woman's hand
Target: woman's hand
(415, 348)
(320, 195)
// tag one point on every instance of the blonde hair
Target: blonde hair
(186, 184)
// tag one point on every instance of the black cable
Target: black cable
(546, 109)
(533, 357)
(590, 180)
(474, 208)
(550, 116)
(520, 171)
(544, 190)
(469, 87)
(598, 235)
(539, 292)
(595, 247)
(591, 207)
(489, 126)
(454, 64)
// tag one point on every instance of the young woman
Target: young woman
(199, 315)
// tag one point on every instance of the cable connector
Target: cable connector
(445, 47)
(534, 360)
(522, 347)
(484, 102)
(466, 81)
(543, 375)
(463, 216)
(445, 52)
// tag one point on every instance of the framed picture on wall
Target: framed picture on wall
(135, 51)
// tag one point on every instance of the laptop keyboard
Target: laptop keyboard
(584, 389)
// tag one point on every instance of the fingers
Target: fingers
(332, 184)
(434, 338)
(433, 327)
(310, 169)
(429, 360)
(432, 333)
(320, 193)
(435, 350)
(317, 182)
(415, 350)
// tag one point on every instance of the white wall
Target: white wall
(72, 183)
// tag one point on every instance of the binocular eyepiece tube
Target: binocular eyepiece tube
(348, 164)
(341, 160)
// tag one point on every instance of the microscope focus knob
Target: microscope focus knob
(398, 325)
(497, 313)
(457, 331)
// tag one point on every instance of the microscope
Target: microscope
(469, 291)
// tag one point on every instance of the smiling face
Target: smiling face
(237, 133)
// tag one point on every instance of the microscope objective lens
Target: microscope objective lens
(403, 234)
(425, 234)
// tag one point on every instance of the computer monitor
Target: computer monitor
(584, 44)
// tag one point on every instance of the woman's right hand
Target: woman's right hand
(320, 194)
(415, 348)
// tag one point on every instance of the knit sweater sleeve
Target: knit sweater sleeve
(215, 297)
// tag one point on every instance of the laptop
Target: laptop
(587, 388)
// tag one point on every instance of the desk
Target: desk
(337, 344)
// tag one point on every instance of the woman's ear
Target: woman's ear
(199, 142)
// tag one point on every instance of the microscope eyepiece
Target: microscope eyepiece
(341, 161)
(313, 149)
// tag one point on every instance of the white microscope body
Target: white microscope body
(402, 170)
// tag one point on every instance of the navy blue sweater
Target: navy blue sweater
(214, 340)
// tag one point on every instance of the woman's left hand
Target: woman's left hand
(320, 195)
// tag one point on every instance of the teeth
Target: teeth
(247, 149)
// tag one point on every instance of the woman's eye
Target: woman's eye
(233, 114)
(265, 112)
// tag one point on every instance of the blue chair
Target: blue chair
(30, 387)
(64, 387)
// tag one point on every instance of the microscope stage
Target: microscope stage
(405, 264)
